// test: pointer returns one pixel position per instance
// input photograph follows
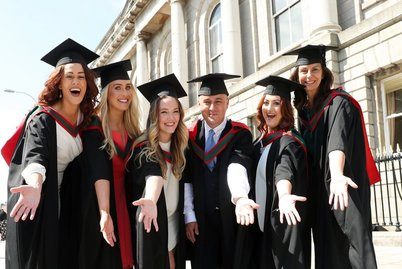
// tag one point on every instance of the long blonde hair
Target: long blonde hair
(153, 152)
(130, 119)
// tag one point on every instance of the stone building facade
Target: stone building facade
(249, 37)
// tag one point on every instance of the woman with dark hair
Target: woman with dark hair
(106, 230)
(280, 180)
(332, 124)
(157, 165)
(48, 143)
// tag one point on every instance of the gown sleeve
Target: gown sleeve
(242, 149)
(290, 162)
(342, 121)
(97, 159)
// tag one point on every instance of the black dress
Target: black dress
(151, 248)
(281, 245)
(342, 239)
(37, 243)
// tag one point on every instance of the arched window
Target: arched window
(215, 39)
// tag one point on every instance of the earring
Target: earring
(60, 94)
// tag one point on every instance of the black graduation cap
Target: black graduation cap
(168, 85)
(69, 51)
(311, 54)
(114, 71)
(213, 84)
(279, 86)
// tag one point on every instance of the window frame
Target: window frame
(219, 55)
(385, 116)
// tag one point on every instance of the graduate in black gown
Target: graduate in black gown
(218, 162)
(106, 230)
(48, 142)
(281, 182)
(157, 165)
(342, 167)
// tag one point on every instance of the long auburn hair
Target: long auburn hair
(153, 152)
(130, 119)
(287, 121)
(324, 89)
(50, 93)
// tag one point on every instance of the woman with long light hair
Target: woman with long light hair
(158, 164)
(107, 144)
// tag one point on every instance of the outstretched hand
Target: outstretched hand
(245, 211)
(287, 208)
(107, 228)
(148, 214)
(27, 202)
(339, 191)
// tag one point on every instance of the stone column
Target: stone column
(179, 46)
(142, 73)
(325, 19)
(231, 38)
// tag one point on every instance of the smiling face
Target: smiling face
(213, 108)
(120, 94)
(271, 111)
(73, 84)
(311, 76)
(168, 117)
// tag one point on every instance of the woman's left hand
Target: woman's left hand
(287, 208)
(148, 214)
(339, 191)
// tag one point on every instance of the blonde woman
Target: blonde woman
(107, 144)
(158, 162)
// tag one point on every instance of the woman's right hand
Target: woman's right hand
(287, 208)
(107, 228)
(148, 214)
(27, 202)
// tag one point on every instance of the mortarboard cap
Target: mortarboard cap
(279, 86)
(213, 84)
(168, 85)
(310, 54)
(69, 51)
(114, 71)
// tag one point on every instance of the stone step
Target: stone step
(387, 239)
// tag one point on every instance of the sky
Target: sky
(30, 29)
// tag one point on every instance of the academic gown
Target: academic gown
(281, 245)
(342, 239)
(95, 252)
(151, 248)
(237, 149)
(37, 243)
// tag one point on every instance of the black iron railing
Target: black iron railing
(386, 195)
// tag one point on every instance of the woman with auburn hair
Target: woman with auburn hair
(157, 165)
(39, 178)
(280, 181)
(342, 167)
(107, 143)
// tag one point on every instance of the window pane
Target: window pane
(282, 29)
(297, 22)
(214, 35)
(216, 15)
(216, 64)
(278, 5)
(398, 133)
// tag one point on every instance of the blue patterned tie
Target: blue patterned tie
(208, 146)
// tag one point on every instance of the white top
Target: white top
(237, 179)
(171, 190)
(261, 186)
